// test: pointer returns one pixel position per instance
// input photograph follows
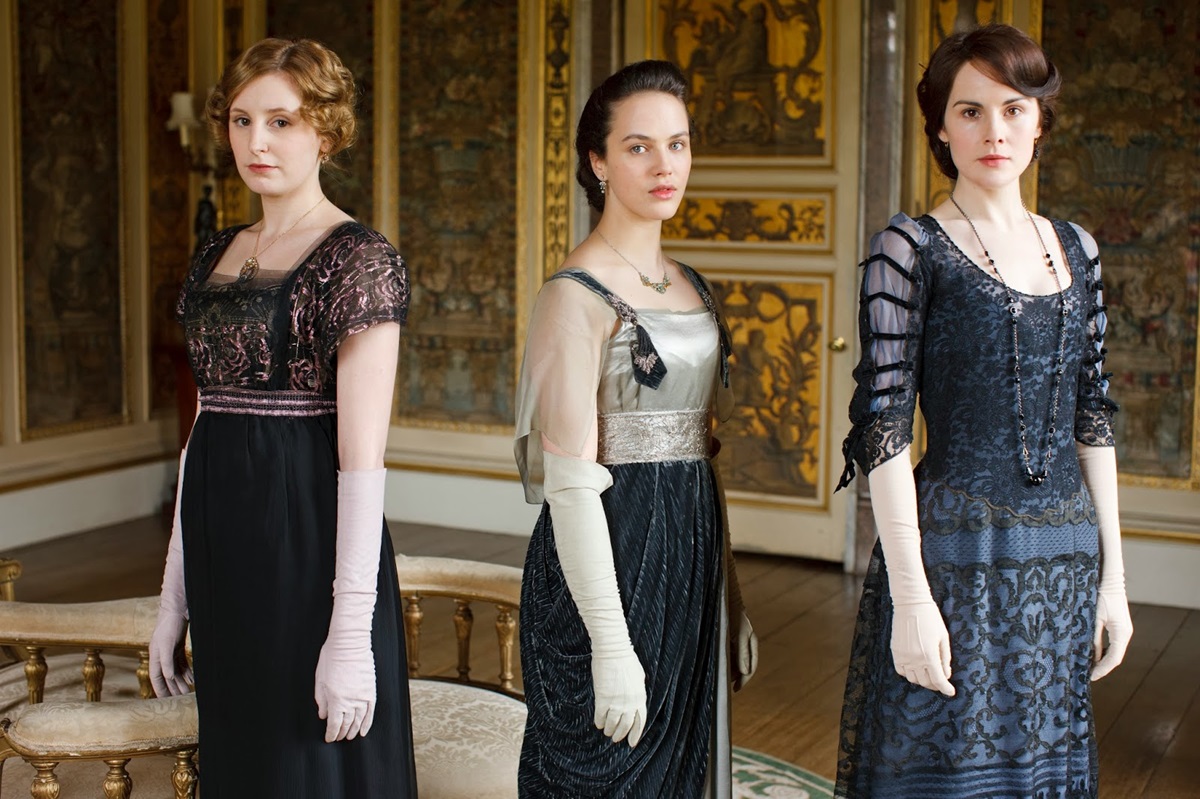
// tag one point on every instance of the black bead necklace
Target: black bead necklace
(1038, 477)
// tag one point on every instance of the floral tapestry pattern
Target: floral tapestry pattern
(74, 353)
(458, 123)
(1123, 162)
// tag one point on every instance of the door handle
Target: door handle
(838, 344)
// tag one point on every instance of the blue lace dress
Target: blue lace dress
(259, 514)
(1013, 566)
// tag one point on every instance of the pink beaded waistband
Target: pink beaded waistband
(265, 403)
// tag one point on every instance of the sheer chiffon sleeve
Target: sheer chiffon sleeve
(368, 285)
(560, 376)
(893, 301)
(1093, 408)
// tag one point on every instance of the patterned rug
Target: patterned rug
(758, 775)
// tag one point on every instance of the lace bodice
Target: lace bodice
(934, 328)
(281, 330)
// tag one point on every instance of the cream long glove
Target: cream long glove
(920, 641)
(170, 673)
(345, 678)
(1099, 468)
(743, 643)
(572, 487)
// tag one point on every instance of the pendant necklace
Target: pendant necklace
(660, 286)
(1034, 477)
(250, 265)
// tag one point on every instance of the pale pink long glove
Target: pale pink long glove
(920, 641)
(169, 671)
(345, 678)
(1099, 468)
(572, 488)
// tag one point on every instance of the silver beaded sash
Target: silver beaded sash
(652, 436)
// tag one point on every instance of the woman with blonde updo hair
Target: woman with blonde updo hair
(280, 560)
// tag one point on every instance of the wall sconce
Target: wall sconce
(201, 157)
(192, 138)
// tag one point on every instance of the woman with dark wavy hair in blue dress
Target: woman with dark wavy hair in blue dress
(998, 571)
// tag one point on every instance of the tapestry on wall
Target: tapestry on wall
(70, 191)
(1122, 162)
(458, 123)
(169, 226)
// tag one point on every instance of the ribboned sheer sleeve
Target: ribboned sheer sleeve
(1093, 408)
(560, 376)
(893, 301)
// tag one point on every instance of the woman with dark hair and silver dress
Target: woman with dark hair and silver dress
(629, 596)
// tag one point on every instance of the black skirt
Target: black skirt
(668, 542)
(259, 535)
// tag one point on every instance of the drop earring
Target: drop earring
(1037, 148)
(604, 187)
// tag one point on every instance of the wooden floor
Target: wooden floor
(1147, 711)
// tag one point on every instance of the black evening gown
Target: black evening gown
(259, 524)
(1013, 566)
(667, 534)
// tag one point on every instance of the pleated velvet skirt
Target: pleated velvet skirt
(667, 538)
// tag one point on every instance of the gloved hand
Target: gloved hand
(1099, 468)
(170, 673)
(345, 677)
(743, 643)
(572, 487)
(920, 641)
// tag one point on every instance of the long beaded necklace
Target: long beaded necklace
(250, 265)
(1038, 477)
(660, 286)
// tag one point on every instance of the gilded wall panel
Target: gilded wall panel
(347, 27)
(457, 106)
(759, 74)
(70, 272)
(168, 225)
(797, 221)
(1122, 162)
(771, 445)
(558, 136)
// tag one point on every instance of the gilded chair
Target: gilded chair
(467, 733)
(46, 735)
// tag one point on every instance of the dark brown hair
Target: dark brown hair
(1006, 55)
(325, 86)
(595, 123)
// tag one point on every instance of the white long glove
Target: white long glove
(345, 678)
(920, 641)
(170, 673)
(743, 643)
(572, 488)
(1099, 468)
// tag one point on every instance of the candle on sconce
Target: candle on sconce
(183, 117)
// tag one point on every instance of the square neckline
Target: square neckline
(287, 275)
